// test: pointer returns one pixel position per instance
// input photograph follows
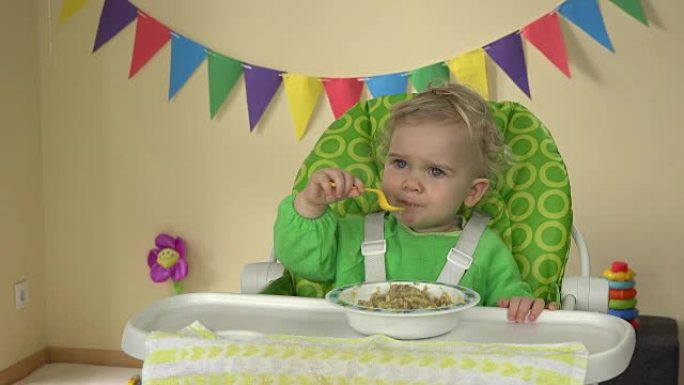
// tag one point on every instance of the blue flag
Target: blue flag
(186, 56)
(391, 84)
(587, 15)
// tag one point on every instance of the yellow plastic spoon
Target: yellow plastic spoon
(382, 199)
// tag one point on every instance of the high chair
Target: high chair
(530, 208)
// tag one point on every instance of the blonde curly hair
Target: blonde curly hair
(457, 104)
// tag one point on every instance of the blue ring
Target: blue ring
(627, 314)
(621, 284)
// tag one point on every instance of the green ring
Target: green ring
(529, 236)
(359, 129)
(622, 304)
(542, 175)
(534, 145)
(530, 202)
(315, 166)
(370, 175)
(546, 212)
(352, 145)
(346, 122)
(512, 172)
(547, 153)
(537, 264)
(340, 150)
(533, 126)
(523, 265)
(540, 240)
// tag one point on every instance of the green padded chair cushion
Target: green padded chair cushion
(529, 201)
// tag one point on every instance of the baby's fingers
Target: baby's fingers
(537, 308)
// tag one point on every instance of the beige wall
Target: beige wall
(122, 163)
(22, 331)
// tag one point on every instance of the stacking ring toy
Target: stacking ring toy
(622, 304)
(620, 285)
(618, 275)
(622, 294)
(628, 314)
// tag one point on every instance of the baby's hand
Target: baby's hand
(524, 308)
(326, 186)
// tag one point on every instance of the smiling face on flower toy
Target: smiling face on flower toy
(167, 260)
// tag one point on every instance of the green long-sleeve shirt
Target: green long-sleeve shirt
(328, 248)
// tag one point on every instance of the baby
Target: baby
(440, 146)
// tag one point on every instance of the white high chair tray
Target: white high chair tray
(610, 340)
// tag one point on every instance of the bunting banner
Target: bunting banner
(507, 52)
(150, 37)
(186, 56)
(224, 72)
(261, 84)
(587, 15)
(471, 69)
(342, 94)
(634, 8)
(69, 8)
(545, 34)
(116, 15)
(303, 91)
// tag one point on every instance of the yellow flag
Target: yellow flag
(303, 93)
(471, 69)
(69, 8)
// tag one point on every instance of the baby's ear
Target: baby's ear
(477, 191)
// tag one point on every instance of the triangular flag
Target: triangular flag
(507, 52)
(150, 36)
(432, 75)
(303, 93)
(587, 15)
(186, 56)
(342, 93)
(545, 34)
(470, 69)
(116, 15)
(634, 8)
(223, 74)
(390, 84)
(261, 84)
(69, 8)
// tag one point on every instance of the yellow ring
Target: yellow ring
(539, 239)
(618, 275)
(553, 215)
(537, 264)
(546, 180)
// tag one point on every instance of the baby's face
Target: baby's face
(428, 173)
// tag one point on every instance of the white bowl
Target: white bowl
(404, 324)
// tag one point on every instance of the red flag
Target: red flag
(342, 93)
(150, 36)
(545, 34)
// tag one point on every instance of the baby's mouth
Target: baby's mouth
(408, 204)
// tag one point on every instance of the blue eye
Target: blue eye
(400, 163)
(436, 172)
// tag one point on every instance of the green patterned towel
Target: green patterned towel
(196, 355)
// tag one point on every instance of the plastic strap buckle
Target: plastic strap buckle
(459, 258)
(374, 247)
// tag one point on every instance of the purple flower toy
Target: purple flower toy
(167, 260)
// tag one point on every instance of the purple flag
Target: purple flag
(261, 84)
(507, 52)
(116, 15)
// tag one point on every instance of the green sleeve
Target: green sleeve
(502, 273)
(305, 246)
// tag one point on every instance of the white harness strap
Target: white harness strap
(458, 260)
(460, 257)
(374, 246)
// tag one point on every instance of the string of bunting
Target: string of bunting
(304, 91)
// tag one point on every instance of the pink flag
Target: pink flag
(150, 36)
(545, 34)
(342, 93)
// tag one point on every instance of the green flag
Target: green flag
(223, 73)
(634, 8)
(435, 74)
